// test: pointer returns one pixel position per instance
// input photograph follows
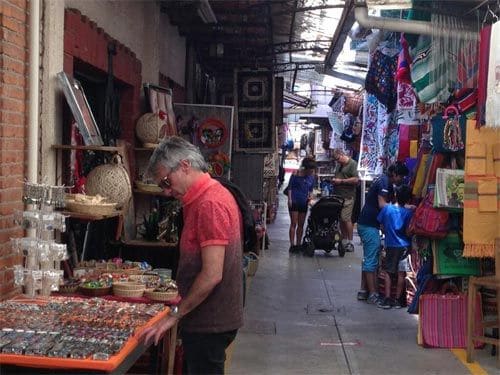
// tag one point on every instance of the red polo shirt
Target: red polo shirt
(212, 217)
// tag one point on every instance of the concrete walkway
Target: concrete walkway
(302, 317)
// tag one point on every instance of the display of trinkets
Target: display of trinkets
(40, 273)
(71, 327)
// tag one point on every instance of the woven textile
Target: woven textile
(407, 112)
(443, 320)
(428, 91)
(368, 149)
(493, 88)
(380, 79)
(481, 202)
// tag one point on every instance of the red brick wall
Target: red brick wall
(85, 41)
(13, 122)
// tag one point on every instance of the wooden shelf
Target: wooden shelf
(76, 215)
(159, 194)
(144, 243)
(89, 148)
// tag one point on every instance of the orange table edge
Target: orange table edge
(81, 364)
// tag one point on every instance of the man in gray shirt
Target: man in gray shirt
(345, 182)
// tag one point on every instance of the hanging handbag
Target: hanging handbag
(428, 221)
(443, 318)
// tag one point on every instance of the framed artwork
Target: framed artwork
(77, 101)
(254, 89)
(256, 131)
(210, 127)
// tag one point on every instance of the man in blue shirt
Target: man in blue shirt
(394, 219)
(379, 194)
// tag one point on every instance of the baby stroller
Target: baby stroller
(323, 226)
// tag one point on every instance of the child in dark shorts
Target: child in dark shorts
(394, 219)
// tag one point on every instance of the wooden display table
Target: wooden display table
(118, 363)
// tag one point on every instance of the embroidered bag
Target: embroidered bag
(452, 135)
(428, 221)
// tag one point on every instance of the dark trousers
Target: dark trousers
(205, 353)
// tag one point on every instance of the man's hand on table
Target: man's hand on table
(156, 332)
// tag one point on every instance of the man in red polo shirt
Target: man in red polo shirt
(209, 275)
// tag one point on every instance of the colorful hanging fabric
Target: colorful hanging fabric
(388, 139)
(493, 89)
(484, 55)
(468, 65)
(404, 61)
(428, 90)
(368, 147)
(380, 79)
(407, 112)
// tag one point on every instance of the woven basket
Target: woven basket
(148, 128)
(91, 209)
(129, 293)
(95, 292)
(128, 289)
(111, 181)
(160, 296)
(128, 285)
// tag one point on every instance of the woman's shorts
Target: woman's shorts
(370, 237)
(298, 207)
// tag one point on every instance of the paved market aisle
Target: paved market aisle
(302, 317)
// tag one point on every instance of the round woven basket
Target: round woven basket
(111, 181)
(128, 285)
(160, 296)
(128, 289)
(91, 209)
(148, 127)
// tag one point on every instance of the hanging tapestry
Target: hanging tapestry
(368, 148)
(406, 105)
(255, 131)
(255, 113)
(482, 191)
(407, 112)
(335, 121)
(427, 89)
(255, 89)
(387, 139)
(380, 79)
(484, 55)
(493, 90)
